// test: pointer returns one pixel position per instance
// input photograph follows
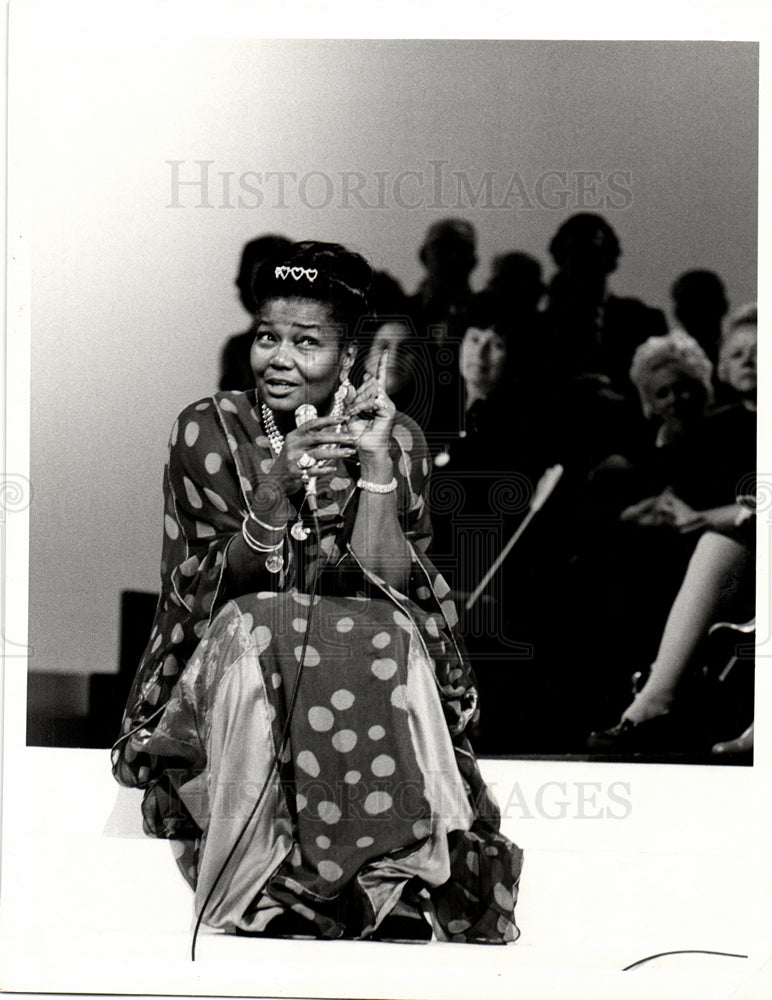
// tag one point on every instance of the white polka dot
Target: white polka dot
(403, 621)
(232, 442)
(307, 762)
(265, 595)
(212, 463)
(329, 812)
(312, 657)
(365, 842)
(329, 870)
(266, 465)
(202, 406)
(383, 766)
(377, 802)
(344, 740)
(157, 642)
(399, 696)
(342, 699)
(457, 926)
(247, 621)
(473, 863)
(228, 405)
(276, 681)
(204, 530)
(403, 435)
(384, 669)
(177, 634)
(431, 627)
(423, 593)
(171, 527)
(199, 628)
(503, 896)
(215, 499)
(492, 852)
(271, 711)
(338, 483)
(320, 719)
(421, 828)
(301, 801)
(303, 599)
(344, 624)
(441, 587)
(299, 624)
(191, 433)
(448, 608)
(352, 777)
(245, 484)
(175, 432)
(376, 732)
(261, 638)
(190, 566)
(323, 842)
(381, 640)
(171, 666)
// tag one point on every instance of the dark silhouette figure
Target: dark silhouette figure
(699, 305)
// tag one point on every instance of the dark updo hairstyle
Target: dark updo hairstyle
(321, 272)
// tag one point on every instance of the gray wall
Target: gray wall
(131, 298)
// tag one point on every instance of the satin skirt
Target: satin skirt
(359, 806)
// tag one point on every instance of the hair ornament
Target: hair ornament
(284, 271)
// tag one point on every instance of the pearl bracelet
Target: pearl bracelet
(368, 487)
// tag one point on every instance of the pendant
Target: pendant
(299, 531)
(274, 564)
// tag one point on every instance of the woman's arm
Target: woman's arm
(377, 538)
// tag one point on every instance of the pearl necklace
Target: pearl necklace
(272, 432)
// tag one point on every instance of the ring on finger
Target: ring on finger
(305, 461)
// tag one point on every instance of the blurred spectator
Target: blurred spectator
(699, 305)
(235, 367)
(449, 256)
(593, 331)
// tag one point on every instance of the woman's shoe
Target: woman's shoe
(743, 744)
(657, 733)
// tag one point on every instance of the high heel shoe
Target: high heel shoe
(743, 744)
(657, 733)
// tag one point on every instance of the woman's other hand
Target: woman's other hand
(321, 439)
(370, 420)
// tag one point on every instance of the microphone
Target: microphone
(304, 413)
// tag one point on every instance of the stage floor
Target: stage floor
(621, 862)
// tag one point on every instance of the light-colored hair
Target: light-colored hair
(676, 349)
(747, 315)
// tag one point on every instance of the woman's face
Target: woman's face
(297, 355)
(391, 336)
(737, 362)
(675, 397)
(483, 359)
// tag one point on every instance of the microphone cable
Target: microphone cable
(277, 755)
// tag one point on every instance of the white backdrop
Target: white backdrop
(132, 274)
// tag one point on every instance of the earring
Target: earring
(339, 399)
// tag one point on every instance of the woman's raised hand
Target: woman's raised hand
(371, 417)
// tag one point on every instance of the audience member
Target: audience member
(594, 331)
(699, 305)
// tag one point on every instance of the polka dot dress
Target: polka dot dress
(354, 796)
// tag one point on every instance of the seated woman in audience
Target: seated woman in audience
(484, 477)
(712, 463)
(301, 706)
(718, 583)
